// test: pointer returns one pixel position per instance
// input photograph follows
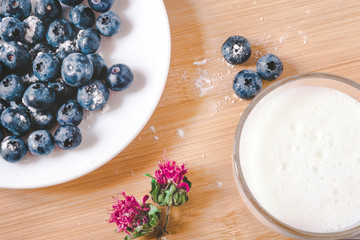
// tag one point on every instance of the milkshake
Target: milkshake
(299, 155)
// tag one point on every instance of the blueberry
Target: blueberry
(34, 30)
(236, 50)
(38, 96)
(11, 88)
(15, 57)
(59, 31)
(65, 49)
(71, 2)
(20, 9)
(48, 10)
(101, 5)
(24, 108)
(247, 84)
(269, 67)
(63, 91)
(13, 149)
(41, 119)
(99, 66)
(38, 48)
(68, 137)
(70, 113)
(119, 77)
(93, 96)
(108, 24)
(76, 69)
(11, 29)
(46, 66)
(40, 143)
(82, 16)
(3, 105)
(16, 121)
(88, 41)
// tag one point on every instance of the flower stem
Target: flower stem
(163, 230)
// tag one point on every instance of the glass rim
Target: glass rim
(242, 186)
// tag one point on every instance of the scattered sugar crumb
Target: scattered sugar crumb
(152, 128)
(233, 101)
(305, 39)
(156, 138)
(219, 184)
(216, 107)
(203, 84)
(282, 39)
(139, 138)
(301, 32)
(163, 238)
(307, 11)
(261, 19)
(203, 156)
(180, 133)
(132, 173)
(199, 63)
(227, 98)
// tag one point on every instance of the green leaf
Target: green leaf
(186, 180)
(155, 188)
(161, 199)
(135, 235)
(154, 215)
(180, 198)
(153, 210)
(169, 192)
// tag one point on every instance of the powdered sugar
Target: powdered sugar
(180, 133)
(199, 63)
(30, 29)
(66, 46)
(202, 82)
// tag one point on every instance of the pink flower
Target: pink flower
(169, 172)
(129, 214)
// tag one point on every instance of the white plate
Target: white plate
(143, 43)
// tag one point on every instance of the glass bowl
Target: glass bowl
(344, 85)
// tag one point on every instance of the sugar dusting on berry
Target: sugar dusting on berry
(66, 46)
(31, 29)
(97, 98)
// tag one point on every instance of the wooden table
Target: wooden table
(195, 121)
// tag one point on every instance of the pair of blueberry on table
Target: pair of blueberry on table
(51, 72)
(247, 83)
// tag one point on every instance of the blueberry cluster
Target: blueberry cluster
(247, 83)
(50, 72)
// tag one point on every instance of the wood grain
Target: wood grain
(309, 36)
